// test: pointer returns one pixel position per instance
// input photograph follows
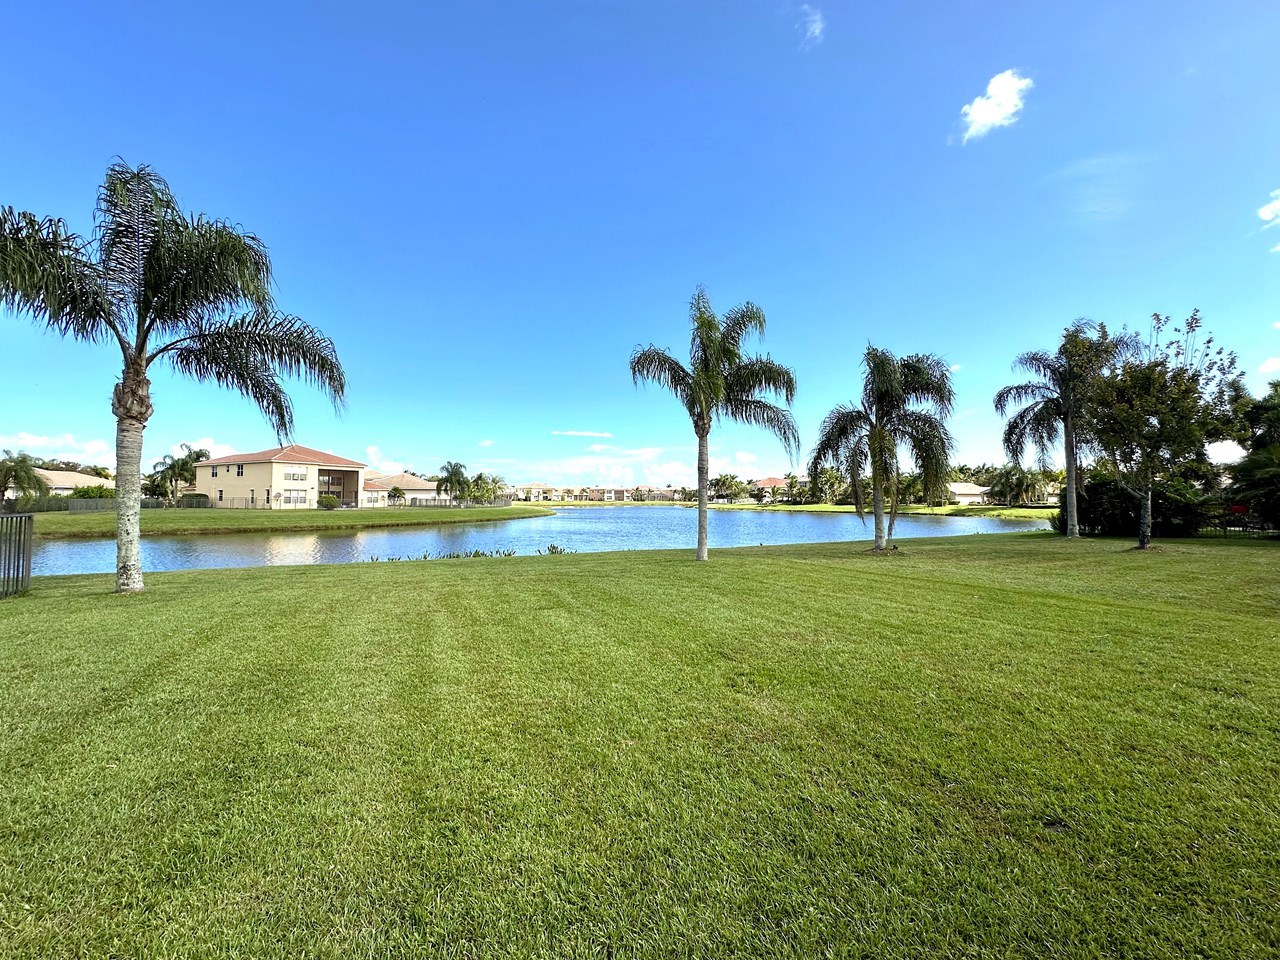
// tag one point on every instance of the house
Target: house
(417, 491)
(966, 494)
(374, 494)
(63, 482)
(771, 487)
(288, 478)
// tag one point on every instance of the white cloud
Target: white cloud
(1276, 325)
(1270, 212)
(999, 107)
(812, 26)
(1276, 248)
(373, 455)
(580, 433)
(955, 367)
(64, 446)
(485, 443)
(215, 448)
(1270, 365)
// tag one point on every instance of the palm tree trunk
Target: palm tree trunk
(1069, 448)
(877, 511)
(1144, 516)
(703, 470)
(131, 403)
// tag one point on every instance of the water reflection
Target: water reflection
(586, 530)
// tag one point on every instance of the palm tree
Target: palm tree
(162, 286)
(721, 383)
(904, 403)
(453, 480)
(1053, 405)
(793, 487)
(395, 496)
(18, 473)
(1013, 485)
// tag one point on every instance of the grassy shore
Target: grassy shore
(951, 510)
(1010, 746)
(174, 522)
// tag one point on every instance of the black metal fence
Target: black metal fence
(16, 531)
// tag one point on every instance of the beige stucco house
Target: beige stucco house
(283, 478)
(966, 494)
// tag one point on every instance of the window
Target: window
(215, 470)
(239, 469)
(295, 473)
(219, 496)
(252, 499)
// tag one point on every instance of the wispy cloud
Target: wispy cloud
(998, 107)
(485, 443)
(812, 26)
(580, 433)
(1276, 325)
(1270, 212)
(955, 367)
(1101, 189)
(1270, 365)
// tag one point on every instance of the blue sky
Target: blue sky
(489, 205)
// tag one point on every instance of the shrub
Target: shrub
(95, 492)
(327, 501)
(1106, 509)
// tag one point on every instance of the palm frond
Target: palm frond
(760, 374)
(739, 323)
(251, 353)
(760, 413)
(654, 365)
(927, 379)
(844, 428)
(46, 271)
(1039, 425)
(1019, 393)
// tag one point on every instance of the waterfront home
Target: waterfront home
(418, 492)
(63, 482)
(966, 494)
(288, 478)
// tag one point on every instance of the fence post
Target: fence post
(16, 535)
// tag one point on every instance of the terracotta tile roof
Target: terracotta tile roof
(375, 485)
(769, 483)
(293, 453)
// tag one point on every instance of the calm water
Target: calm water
(585, 530)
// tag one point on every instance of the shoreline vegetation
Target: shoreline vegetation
(785, 749)
(193, 522)
(997, 511)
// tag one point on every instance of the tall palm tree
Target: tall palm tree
(162, 286)
(904, 404)
(453, 480)
(793, 487)
(1053, 405)
(18, 473)
(720, 382)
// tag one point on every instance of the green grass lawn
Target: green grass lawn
(1009, 746)
(188, 521)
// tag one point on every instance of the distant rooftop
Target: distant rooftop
(293, 453)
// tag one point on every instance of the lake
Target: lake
(584, 530)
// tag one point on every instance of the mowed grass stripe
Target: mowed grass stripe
(987, 745)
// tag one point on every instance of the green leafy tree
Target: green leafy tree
(1052, 406)
(721, 382)
(1256, 482)
(454, 481)
(1156, 412)
(792, 488)
(163, 287)
(1014, 484)
(904, 405)
(18, 475)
